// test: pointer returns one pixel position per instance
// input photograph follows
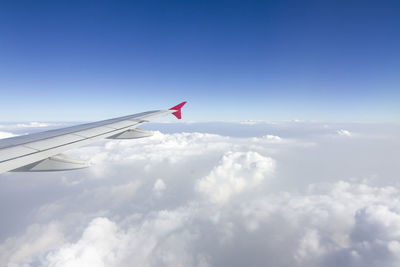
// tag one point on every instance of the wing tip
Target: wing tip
(178, 108)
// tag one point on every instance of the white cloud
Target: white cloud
(6, 135)
(157, 148)
(104, 243)
(344, 133)
(249, 122)
(159, 187)
(235, 173)
(269, 138)
(309, 246)
(36, 124)
(100, 244)
(273, 138)
(199, 199)
(121, 193)
(309, 229)
(34, 244)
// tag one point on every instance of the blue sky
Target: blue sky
(231, 60)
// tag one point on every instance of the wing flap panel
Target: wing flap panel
(122, 124)
(55, 141)
(15, 152)
(94, 132)
(132, 134)
(58, 162)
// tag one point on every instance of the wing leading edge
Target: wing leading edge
(42, 151)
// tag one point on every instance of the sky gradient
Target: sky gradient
(231, 60)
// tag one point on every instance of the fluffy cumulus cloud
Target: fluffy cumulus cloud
(34, 124)
(105, 243)
(236, 172)
(35, 243)
(343, 132)
(289, 194)
(101, 243)
(6, 135)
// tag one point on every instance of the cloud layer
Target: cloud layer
(6, 135)
(291, 195)
(236, 172)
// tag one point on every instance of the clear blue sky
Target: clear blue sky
(231, 60)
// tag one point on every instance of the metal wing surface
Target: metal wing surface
(41, 151)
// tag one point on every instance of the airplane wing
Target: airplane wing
(41, 151)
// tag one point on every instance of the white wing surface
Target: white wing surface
(41, 151)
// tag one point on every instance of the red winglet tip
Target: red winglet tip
(178, 107)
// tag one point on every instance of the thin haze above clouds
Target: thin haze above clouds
(208, 194)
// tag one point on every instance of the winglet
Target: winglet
(178, 107)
